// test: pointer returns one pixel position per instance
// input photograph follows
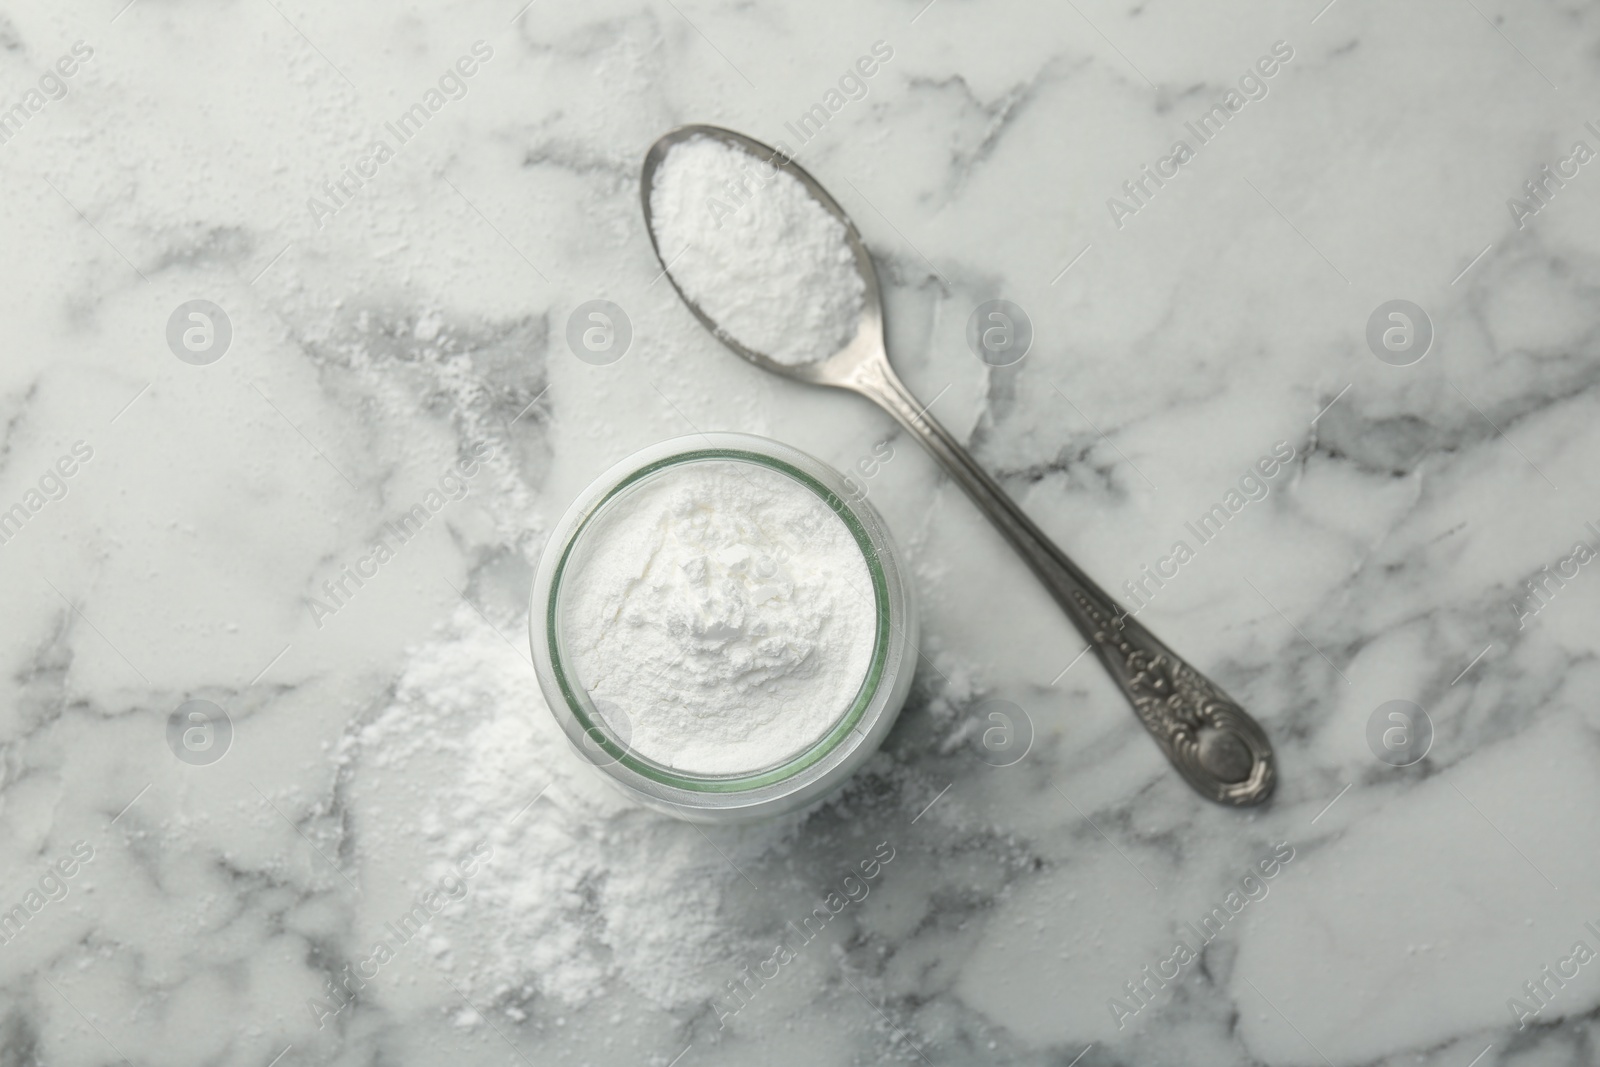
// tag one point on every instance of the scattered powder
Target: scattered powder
(750, 245)
(726, 611)
(584, 888)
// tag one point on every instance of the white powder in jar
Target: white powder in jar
(725, 610)
(749, 244)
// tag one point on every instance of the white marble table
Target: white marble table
(180, 527)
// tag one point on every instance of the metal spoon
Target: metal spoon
(1213, 742)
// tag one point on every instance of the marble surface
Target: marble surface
(389, 746)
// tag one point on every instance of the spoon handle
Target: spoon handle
(1211, 740)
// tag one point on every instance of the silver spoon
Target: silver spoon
(1213, 742)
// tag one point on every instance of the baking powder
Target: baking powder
(725, 611)
(750, 245)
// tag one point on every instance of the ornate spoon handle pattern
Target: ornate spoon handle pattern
(1214, 743)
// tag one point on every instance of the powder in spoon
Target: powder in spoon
(755, 250)
(725, 610)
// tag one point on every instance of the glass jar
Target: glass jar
(799, 778)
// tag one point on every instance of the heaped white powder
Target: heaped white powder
(585, 894)
(725, 611)
(759, 255)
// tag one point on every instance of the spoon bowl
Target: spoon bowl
(843, 367)
(1213, 742)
